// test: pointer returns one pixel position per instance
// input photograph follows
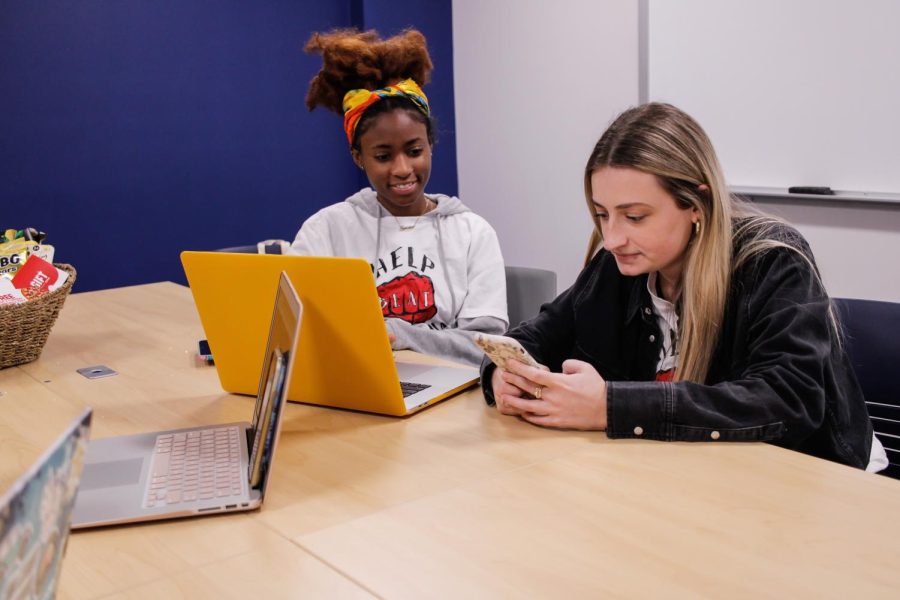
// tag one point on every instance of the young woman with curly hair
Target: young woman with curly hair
(697, 318)
(437, 265)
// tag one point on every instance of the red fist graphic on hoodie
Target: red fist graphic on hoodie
(410, 298)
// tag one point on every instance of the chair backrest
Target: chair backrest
(526, 290)
(871, 331)
(265, 247)
(240, 249)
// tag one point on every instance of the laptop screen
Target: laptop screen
(272, 394)
(264, 424)
(34, 517)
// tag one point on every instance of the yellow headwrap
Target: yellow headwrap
(357, 101)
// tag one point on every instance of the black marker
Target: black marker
(811, 189)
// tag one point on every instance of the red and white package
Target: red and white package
(9, 294)
(37, 277)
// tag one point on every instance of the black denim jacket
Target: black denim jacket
(779, 374)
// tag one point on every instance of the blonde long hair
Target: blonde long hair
(664, 141)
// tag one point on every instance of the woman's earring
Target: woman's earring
(697, 227)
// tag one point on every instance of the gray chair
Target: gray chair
(870, 331)
(239, 249)
(271, 247)
(526, 290)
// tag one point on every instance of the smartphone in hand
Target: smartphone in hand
(500, 349)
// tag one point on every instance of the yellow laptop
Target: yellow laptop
(344, 359)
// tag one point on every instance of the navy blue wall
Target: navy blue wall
(131, 130)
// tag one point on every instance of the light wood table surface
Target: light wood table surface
(454, 502)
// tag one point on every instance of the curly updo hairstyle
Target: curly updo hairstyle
(362, 60)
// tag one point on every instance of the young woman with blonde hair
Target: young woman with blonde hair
(699, 318)
(437, 265)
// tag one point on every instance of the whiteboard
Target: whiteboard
(791, 92)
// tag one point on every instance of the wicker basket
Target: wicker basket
(24, 327)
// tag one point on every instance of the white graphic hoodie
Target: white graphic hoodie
(440, 276)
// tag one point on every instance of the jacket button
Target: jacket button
(714, 435)
(652, 338)
(647, 311)
(639, 430)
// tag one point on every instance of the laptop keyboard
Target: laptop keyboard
(195, 465)
(409, 389)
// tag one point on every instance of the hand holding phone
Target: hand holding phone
(501, 349)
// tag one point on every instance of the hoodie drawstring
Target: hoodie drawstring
(453, 310)
(377, 244)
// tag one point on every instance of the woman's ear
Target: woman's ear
(357, 158)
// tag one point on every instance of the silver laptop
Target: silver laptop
(34, 517)
(200, 470)
(344, 358)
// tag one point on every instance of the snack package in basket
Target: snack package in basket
(13, 255)
(37, 277)
(26, 267)
(17, 245)
(9, 294)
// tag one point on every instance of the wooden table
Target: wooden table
(454, 502)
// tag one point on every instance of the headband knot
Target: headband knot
(357, 101)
